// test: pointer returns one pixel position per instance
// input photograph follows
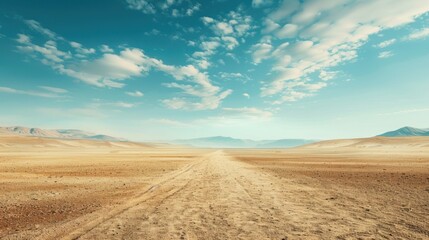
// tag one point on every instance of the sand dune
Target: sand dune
(14, 141)
(404, 143)
(65, 189)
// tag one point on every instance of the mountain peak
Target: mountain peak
(406, 132)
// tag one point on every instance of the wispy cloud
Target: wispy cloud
(234, 76)
(50, 92)
(261, 3)
(386, 43)
(96, 108)
(385, 54)
(123, 104)
(249, 112)
(418, 34)
(39, 28)
(135, 94)
(104, 103)
(54, 89)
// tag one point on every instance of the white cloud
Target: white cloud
(249, 112)
(49, 51)
(209, 46)
(287, 31)
(234, 76)
(111, 69)
(223, 28)
(235, 25)
(181, 8)
(260, 3)
(54, 89)
(261, 51)
(207, 20)
(418, 34)
(37, 27)
(292, 96)
(190, 11)
(105, 49)
(135, 94)
(386, 43)
(246, 95)
(208, 102)
(145, 6)
(230, 42)
(23, 39)
(327, 75)
(322, 40)
(100, 103)
(49, 92)
(270, 26)
(385, 54)
(203, 64)
(81, 50)
(200, 87)
(123, 104)
(284, 10)
(228, 32)
(97, 108)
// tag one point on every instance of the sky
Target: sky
(176, 69)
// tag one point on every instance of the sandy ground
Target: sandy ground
(86, 190)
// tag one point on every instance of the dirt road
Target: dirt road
(219, 197)
(212, 198)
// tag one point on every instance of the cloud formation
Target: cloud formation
(418, 34)
(135, 94)
(385, 54)
(303, 38)
(174, 8)
(111, 69)
(47, 92)
(386, 43)
(228, 33)
(249, 112)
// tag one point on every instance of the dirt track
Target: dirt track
(216, 196)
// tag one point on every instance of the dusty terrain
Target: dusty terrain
(356, 189)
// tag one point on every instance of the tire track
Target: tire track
(141, 198)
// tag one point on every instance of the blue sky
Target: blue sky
(170, 69)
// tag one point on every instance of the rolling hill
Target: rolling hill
(406, 132)
(57, 134)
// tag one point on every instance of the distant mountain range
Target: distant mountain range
(57, 133)
(208, 142)
(406, 132)
(228, 142)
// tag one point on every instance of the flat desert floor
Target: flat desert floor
(366, 189)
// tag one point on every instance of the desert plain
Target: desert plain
(374, 188)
